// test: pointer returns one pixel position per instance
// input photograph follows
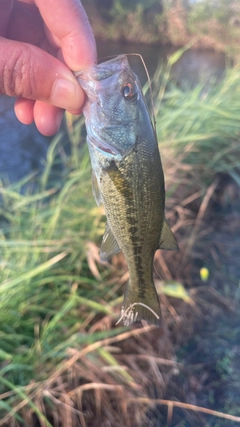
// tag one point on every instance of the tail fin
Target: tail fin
(138, 308)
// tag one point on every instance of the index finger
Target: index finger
(69, 24)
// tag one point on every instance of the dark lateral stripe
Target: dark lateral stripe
(126, 191)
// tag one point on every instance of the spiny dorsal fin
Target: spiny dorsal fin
(95, 190)
(109, 245)
(167, 239)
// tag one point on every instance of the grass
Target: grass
(62, 360)
(201, 125)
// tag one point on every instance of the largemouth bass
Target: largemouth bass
(127, 179)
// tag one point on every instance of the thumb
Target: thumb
(29, 72)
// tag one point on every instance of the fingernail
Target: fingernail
(66, 94)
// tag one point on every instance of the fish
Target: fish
(127, 178)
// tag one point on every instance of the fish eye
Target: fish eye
(128, 91)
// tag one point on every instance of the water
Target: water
(23, 149)
(192, 67)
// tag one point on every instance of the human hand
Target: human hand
(40, 42)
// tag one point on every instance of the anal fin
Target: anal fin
(167, 239)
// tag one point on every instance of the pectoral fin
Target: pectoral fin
(109, 245)
(95, 190)
(167, 239)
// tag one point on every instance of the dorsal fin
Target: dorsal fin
(109, 245)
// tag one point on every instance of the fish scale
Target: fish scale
(127, 179)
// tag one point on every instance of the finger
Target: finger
(47, 118)
(6, 9)
(29, 72)
(24, 110)
(67, 21)
(26, 24)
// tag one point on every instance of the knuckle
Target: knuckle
(17, 73)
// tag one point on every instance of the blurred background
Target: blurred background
(63, 361)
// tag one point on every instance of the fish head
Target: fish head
(112, 108)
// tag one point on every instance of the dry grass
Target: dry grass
(100, 382)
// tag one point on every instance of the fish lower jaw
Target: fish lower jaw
(102, 146)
